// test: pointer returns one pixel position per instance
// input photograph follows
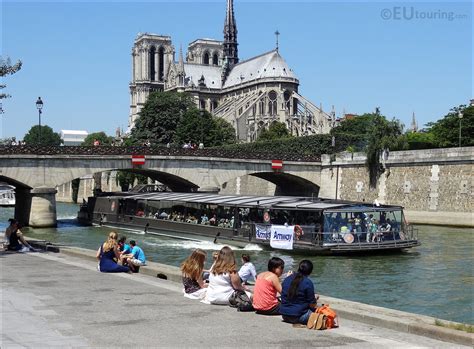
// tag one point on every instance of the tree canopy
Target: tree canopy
(48, 136)
(277, 130)
(372, 133)
(160, 116)
(6, 68)
(100, 136)
(198, 126)
(445, 132)
(172, 117)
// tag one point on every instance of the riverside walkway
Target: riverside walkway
(59, 300)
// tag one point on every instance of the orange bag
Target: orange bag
(331, 316)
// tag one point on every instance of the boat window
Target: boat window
(364, 226)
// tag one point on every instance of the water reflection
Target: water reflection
(435, 279)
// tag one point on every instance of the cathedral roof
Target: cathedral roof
(211, 73)
(267, 65)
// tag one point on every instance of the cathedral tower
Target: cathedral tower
(230, 36)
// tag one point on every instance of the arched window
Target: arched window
(205, 59)
(261, 107)
(286, 97)
(152, 63)
(161, 64)
(215, 59)
(272, 103)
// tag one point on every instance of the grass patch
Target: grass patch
(458, 327)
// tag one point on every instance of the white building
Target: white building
(73, 137)
(250, 94)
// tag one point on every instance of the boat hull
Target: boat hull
(221, 235)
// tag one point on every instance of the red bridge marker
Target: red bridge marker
(138, 160)
(277, 164)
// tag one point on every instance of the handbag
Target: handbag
(241, 301)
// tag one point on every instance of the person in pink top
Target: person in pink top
(267, 286)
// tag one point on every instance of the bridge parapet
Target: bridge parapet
(163, 151)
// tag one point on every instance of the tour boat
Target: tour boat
(7, 195)
(299, 224)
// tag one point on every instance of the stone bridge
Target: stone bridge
(37, 171)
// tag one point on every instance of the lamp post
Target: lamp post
(39, 106)
(460, 115)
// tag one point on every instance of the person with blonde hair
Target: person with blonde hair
(108, 253)
(224, 279)
(191, 269)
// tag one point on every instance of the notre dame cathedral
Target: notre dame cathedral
(249, 94)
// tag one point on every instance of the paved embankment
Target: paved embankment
(57, 299)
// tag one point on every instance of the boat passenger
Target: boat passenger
(136, 258)
(298, 300)
(267, 286)
(108, 253)
(204, 219)
(191, 269)
(224, 279)
(247, 270)
(15, 239)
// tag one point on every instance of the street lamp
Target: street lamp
(39, 106)
(460, 115)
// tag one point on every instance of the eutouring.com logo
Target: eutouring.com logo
(409, 13)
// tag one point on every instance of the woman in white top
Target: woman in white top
(224, 279)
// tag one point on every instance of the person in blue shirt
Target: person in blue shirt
(298, 300)
(136, 258)
(123, 246)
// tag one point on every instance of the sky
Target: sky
(403, 57)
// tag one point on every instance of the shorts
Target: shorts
(137, 262)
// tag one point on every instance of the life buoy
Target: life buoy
(348, 238)
(298, 232)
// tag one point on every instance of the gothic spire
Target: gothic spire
(230, 36)
(181, 61)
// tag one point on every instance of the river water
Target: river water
(435, 279)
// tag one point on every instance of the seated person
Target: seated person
(191, 269)
(298, 300)
(134, 259)
(247, 271)
(124, 248)
(267, 286)
(224, 279)
(107, 253)
(15, 239)
(204, 219)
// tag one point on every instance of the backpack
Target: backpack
(331, 316)
(241, 301)
(317, 321)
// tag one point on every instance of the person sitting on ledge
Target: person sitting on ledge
(108, 253)
(136, 258)
(247, 271)
(298, 300)
(267, 286)
(15, 239)
(194, 286)
(223, 279)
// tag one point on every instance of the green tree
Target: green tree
(198, 126)
(48, 136)
(160, 117)
(6, 68)
(100, 136)
(372, 133)
(277, 130)
(446, 130)
(420, 140)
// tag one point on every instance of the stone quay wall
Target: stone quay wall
(435, 186)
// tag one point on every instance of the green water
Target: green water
(435, 279)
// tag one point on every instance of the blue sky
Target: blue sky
(353, 55)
